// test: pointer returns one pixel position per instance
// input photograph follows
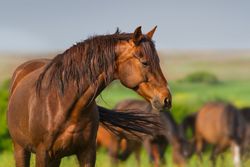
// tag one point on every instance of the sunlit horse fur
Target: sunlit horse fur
(52, 111)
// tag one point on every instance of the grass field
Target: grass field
(233, 72)
(6, 160)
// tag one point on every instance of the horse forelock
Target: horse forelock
(148, 49)
(85, 61)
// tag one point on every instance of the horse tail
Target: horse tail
(235, 123)
(130, 124)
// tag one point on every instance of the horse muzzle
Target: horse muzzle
(161, 104)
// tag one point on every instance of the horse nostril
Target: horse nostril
(168, 102)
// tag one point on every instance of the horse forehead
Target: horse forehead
(125, 50)
(126, 44)
(128, 50)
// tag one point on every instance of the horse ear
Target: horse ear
(151, 33)
(137, 36)
(117, 31)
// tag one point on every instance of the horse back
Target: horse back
(24, 69)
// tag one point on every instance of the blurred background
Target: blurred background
(204, 48)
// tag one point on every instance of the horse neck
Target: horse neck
(89, 95)
(73, 104)
(94, 89)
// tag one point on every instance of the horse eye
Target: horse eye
(145, 63)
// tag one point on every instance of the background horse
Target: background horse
(188, 123)
(245, 112)
(170, 134)
(52, 111)
(155, 146)
(221, 125)
(117, 146)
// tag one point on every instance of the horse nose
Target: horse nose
(168, 102)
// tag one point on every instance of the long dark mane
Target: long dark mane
(84, 62)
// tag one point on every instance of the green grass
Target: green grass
(5, 143)
(103, 160)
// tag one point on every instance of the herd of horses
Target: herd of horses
(120, 148)
(52, 110)
(219, 124)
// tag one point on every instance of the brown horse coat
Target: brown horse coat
(221, 125)
(51, 110)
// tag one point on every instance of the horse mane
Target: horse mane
(85, 61)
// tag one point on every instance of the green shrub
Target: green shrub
(5, 143)
(201, 77)
(5, 85)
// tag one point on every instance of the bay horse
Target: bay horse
(219, 124)
(135, 123)
(51, 110)
(106, 126)
(155, 146)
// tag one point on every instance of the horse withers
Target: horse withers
(51, 110)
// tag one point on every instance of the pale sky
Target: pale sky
(52, 25)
